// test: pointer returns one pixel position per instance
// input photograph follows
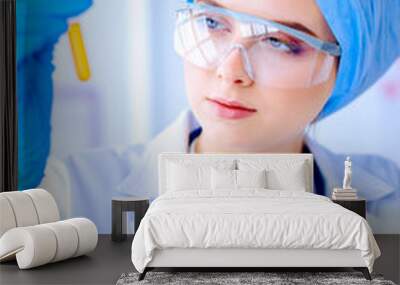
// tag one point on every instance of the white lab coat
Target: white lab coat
(84, 183)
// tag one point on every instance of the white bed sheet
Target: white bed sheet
(250, 218)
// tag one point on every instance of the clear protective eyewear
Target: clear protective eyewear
(273, 55)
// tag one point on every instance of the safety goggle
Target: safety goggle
(272, 54)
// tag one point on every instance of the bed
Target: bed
(243, 211)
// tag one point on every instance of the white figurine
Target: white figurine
(347, 174)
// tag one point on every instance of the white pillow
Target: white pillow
(227, 179)
(292, 179)
(251, 178)
(187, 177)
(223, 179)
(281, 174)
(187, 174)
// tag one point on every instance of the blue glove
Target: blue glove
(368, 32)
(40, 23)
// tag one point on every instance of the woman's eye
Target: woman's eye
(213, 24)
(283, 46)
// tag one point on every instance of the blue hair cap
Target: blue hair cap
(368, 32)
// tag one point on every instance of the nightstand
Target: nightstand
(121, 205)
(358, 206)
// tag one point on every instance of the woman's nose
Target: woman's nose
(235, 68)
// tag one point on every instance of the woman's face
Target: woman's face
(276, 115)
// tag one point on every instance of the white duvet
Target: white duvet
(250, 218)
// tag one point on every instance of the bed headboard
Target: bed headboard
(164, 158)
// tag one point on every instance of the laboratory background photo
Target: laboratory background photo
(101, 93)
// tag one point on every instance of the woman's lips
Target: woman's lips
(230, 109)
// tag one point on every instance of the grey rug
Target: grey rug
(273, 278)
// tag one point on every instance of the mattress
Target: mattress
(250, 219)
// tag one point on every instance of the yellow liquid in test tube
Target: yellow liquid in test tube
(79, 54)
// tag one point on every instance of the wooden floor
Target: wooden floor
(110, 260)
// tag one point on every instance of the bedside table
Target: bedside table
(358, 206)
(121, 205)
